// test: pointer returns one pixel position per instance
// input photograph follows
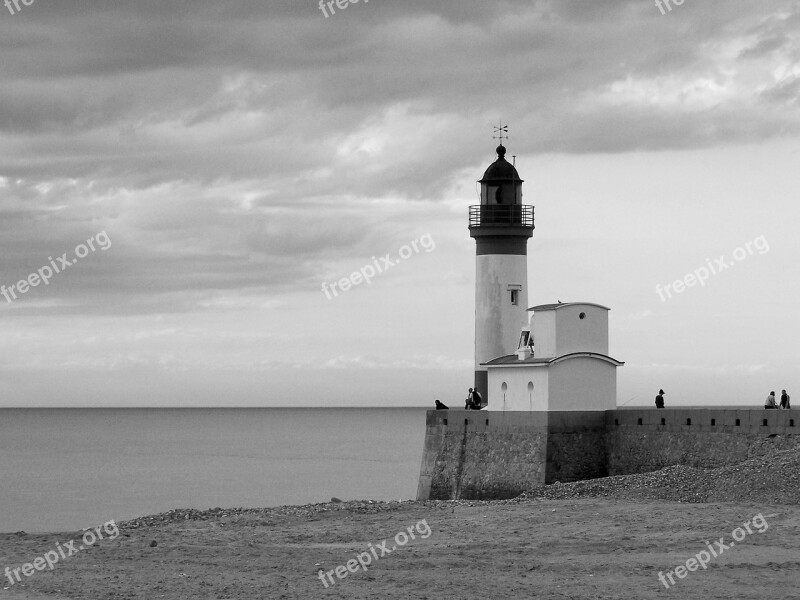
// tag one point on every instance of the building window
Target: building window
(515, 289)
(525, 340)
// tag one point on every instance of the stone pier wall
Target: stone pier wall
(491, 455)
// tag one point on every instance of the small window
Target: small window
(445, 421)
(663, 421)
(791, 422)
(515, 297)
(713, 422)
(765, 423)
(525, 340)
(738, 422)
(466, 421)
(487, 422)
(616, 421)
(640, 422)
(688, 421)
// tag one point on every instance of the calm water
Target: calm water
(63, 469)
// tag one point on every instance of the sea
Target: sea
(67, 469)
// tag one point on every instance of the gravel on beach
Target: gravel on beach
(773, 480)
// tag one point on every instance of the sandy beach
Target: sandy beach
(730, 532)
(522, 548)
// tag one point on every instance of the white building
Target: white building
(562, 360)
(561, 363)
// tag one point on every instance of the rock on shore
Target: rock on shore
(774, 480)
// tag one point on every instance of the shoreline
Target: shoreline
(609, 537)
(774, 479)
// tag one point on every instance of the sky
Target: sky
(205, 166)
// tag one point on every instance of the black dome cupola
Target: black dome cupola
(501, 183)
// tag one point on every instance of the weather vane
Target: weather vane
(501, 129)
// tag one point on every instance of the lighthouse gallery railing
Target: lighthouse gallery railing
(500, 215)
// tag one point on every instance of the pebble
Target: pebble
(771, 479)
(768, 479)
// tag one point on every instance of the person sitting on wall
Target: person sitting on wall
(784, 399)
(440, 406)
(660, 399)
(468, 401)
(477, 400)
(770, 401)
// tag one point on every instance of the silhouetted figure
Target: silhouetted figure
(468, 401)
(477, 400)
(784, 399)
(660, 399)
(770, 401)
(440, 406)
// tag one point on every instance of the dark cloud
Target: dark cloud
(238, 145)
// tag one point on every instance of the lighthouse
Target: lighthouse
(501, 226)
(548, 381)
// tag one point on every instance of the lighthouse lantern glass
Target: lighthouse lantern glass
(489, 193)
(501, 193)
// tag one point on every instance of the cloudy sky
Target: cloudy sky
(225, 158)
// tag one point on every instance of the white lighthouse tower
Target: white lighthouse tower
(501, 226)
